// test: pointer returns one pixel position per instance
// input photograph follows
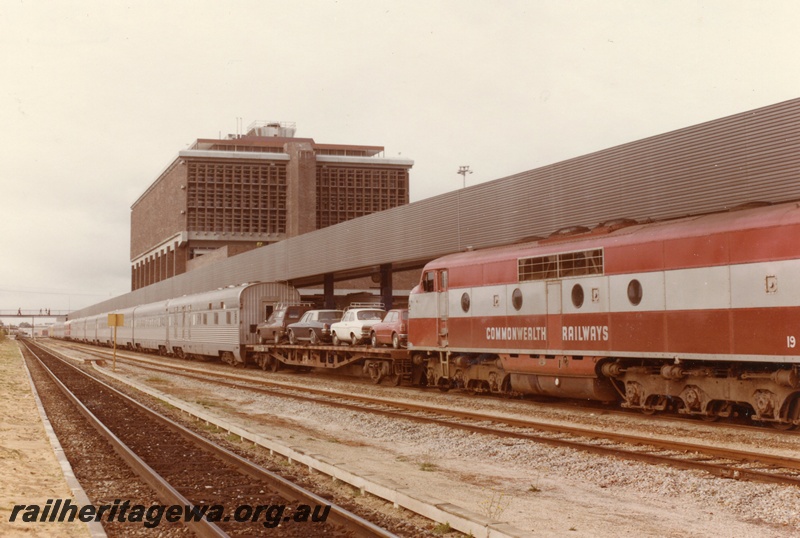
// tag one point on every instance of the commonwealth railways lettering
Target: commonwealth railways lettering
(584, 333)
(516, 333)
(569, 333)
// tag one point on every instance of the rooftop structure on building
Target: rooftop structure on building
(225, 196)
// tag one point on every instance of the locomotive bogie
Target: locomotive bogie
(709, 390)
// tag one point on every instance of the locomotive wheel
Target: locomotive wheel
(312, 337)
(505, 388)
(716, 409)
(781, 426)
(792, 413)
(443, 384)
(274, 364)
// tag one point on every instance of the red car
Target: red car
(392, 330)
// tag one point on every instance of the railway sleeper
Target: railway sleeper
(711, 391)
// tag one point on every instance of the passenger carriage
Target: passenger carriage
(222, 322)
(149, 327)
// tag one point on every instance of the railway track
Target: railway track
(187, 470)
(718, 461)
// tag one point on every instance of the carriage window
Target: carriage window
(228, 317)
(635, 292)
(577, 295)
(516, 299)
(567, 264)
(428, 280)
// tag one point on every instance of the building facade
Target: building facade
(223, 197)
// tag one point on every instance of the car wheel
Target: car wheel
(312, 337)
(292, 339)
(354, 339)
(374, 340)
(336, 340)
(276, 336)
(395, 341)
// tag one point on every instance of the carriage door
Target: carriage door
(187, 322)
(554, 314)
(442, 306)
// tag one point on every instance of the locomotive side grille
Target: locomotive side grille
(562, 265)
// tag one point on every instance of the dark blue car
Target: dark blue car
(314, 327)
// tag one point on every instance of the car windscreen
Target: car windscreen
(371, 314)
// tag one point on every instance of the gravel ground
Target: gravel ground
(28, 467)
(548, 491)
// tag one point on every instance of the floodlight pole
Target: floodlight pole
(464, 170)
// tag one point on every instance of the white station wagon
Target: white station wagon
(356, 324)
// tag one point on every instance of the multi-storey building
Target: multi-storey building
(223, 197)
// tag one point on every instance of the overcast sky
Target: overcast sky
(97, 98)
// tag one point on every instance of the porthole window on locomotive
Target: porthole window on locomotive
(577, 295)
(516, 299)
(635, 292)
(465, 302)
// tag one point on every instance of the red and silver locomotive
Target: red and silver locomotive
(700, 313)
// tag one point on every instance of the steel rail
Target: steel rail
(166, 493)
(716, 469)
(285, 488)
